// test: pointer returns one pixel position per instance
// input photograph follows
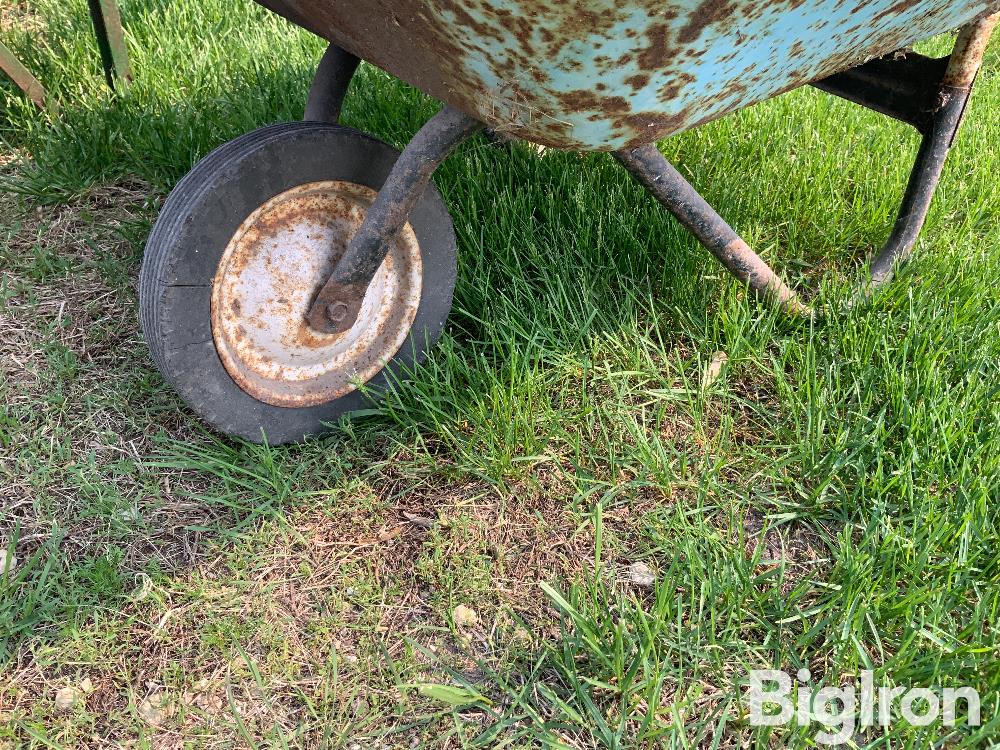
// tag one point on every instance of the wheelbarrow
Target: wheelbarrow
(304, 260)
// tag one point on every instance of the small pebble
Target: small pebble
(522, 637)
(155, 709)
(422, 522)
(641, 575)
(714, 369)
(67, 697)
(464, 617)
(7, 562)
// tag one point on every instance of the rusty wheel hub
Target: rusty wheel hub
(267, 278)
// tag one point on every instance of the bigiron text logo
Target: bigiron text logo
(771, 701)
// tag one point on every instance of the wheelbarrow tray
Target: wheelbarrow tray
(607, 75)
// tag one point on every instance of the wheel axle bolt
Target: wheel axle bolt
(336, 311)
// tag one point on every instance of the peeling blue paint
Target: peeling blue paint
(730, 65)
(606, 74)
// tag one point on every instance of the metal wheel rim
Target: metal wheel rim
(267, 277)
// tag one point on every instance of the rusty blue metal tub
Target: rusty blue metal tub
(614, 74)
(301, 261)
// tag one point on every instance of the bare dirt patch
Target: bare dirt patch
(18, 16)
(795, 547)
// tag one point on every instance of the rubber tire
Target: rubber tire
(197, 221)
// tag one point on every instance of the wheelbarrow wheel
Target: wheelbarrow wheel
(240, 248)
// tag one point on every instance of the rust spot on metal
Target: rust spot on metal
(656, 55)
(703, 16)
(638, 81)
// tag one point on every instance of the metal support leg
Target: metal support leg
(649, 167)
(110, 40)
(336, 307)
(939, 126)
(329, 87)
(22, 76)
(955, 90)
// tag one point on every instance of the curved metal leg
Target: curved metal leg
(649, 167)
(336, 307)
(329, 87)
(953, 97)
(869, 85)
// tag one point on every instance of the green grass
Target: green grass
(827, 502)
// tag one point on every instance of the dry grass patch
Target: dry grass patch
(17, 15)
(313, 624)
(81, 409)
